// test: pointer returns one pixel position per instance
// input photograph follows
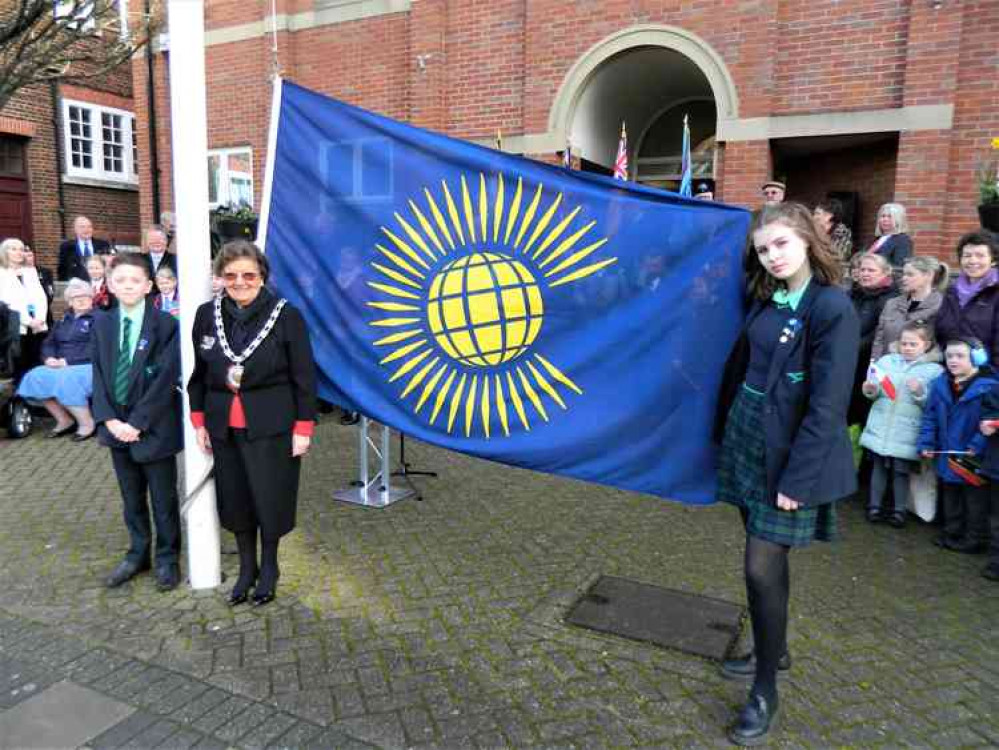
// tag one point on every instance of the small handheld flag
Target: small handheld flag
(686, 169)
(621, 162)
(876, 375)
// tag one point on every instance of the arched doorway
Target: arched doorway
(648, 77)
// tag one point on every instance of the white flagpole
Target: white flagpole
(272, 134)
(189, 119)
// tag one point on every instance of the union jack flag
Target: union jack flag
(621, 162)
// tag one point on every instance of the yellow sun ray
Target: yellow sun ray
(483, 205)
(439, 218)
(567, 244)
(555, 233)
(518, 404)
(558, 374)
(405, 248)
(395, 322)
(400, 262)
(393, 291)
(514, 210)
(470, 405)
(441, 396)
(415, 237)
(575, 257)
(452, 211)
(498, 208)
(428, 389)
(396, 276)
(427, 227)
(547, 387)
(543, 222)
(393, 306)
(402, 351)
(528, 217)
(466, 204)
(486, 412)
(456, 402)
(418, 377)
(411, 364)
(532, 394)
(395, 338)
(582, 273)
(501, 407)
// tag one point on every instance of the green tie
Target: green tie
(124, 364)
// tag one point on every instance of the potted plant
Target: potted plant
(235, 222)
(988, 189)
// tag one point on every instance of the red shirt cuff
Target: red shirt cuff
(198, 419)
(304, 428)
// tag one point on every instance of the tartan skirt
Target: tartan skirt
(742, 482)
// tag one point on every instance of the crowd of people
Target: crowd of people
(892, 347)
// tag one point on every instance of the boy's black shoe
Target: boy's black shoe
(168, 577)
(744, 667)
(874, 515)
(755, 721)
(126, 570)
(991, 572)
(896, 520)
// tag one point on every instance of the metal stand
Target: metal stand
(405, 471)
(375, 490)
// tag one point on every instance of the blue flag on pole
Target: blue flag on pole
(502, 307)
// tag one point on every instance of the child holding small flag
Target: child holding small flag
(950, 434)
(898, 384)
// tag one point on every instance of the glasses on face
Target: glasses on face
(231, 277)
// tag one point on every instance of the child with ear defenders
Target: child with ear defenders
(951, 434)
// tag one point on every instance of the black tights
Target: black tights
(267, 575)
(767, 588)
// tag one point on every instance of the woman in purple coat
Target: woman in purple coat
(971, 305)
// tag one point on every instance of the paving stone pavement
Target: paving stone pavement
(439, 623)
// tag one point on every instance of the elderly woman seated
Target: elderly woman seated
(64, 383)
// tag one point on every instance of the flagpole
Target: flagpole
(272, 135)
(189, 117)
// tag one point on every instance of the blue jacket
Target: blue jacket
(953, 426)
(808, 451)
(893, 424)
(70, 339)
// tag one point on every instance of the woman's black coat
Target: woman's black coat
(278, 386)
(979, 318)
(809, 457)
(869, 304)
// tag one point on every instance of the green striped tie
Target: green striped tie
(124, 364)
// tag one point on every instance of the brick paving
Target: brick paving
(439, 624)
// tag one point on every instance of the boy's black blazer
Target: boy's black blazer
(808, 452)
(154, 400)
(278, 386)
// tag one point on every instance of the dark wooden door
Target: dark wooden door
(15, 198)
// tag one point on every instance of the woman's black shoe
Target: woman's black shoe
(62, 432)
(896, 520)
(755, 721)
(744, 667)
(241, 591)
(260, 598)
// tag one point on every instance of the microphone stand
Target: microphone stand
(405, 471)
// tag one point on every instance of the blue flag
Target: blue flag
(502, 307)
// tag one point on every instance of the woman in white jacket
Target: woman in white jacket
(22, 291)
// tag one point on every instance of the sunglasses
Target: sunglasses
(232, 278)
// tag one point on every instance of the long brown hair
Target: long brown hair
(825, 266)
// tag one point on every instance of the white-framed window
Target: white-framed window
(80, 15)
(230, 177)
(99, 142)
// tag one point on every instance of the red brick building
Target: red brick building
(65, 151)
(880, 99)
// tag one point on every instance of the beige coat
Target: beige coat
(895, 315)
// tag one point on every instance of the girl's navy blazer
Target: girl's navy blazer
(809, 457)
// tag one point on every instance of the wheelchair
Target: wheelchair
(15, 414)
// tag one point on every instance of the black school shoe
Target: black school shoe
(744, 667)
(755, 721)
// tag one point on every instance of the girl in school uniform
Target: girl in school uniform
(786, 455)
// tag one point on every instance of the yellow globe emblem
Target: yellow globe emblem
(484, 309)
(460, 279)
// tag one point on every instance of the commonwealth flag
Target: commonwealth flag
(502, 307)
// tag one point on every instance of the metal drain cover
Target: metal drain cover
(686, 622)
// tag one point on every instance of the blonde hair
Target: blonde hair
(166, 271)
(881, 261)
(929, 264)
(897, 213)
(5, 247)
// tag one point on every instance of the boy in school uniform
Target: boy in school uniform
(137, 407)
